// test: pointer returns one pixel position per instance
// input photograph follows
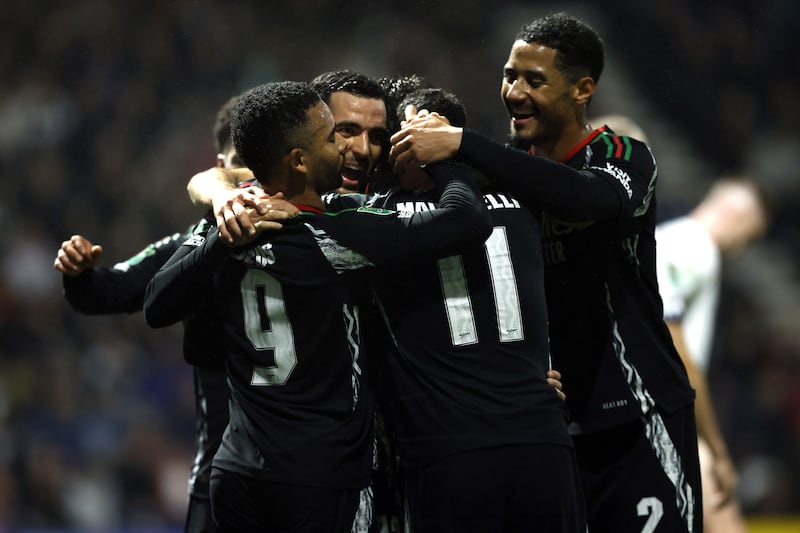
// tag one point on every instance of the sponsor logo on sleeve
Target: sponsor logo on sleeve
(618, 174)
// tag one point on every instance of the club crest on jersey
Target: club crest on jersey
(259, 255)
(554, 228)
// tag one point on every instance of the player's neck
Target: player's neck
(307, 199)
(570, 137)
(576, 142)
(296, 194)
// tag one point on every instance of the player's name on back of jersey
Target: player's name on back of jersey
(493, 201)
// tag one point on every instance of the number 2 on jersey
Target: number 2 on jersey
(653, 509)
(458, 304)
(267, 326)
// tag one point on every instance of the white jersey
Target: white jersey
(688, 267)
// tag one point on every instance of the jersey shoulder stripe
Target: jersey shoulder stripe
(618, 147)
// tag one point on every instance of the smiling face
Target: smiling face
(542, 103)
(324, 155)
(361, 122)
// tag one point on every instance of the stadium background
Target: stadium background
(106, 110)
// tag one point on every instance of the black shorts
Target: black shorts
(243, 504)
(198, 516)
(643, 476)
(511, 488)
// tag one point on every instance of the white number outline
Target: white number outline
(653, 509)
(458, 305)
(279, 337)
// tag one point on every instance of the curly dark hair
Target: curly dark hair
(579, 48)
(348, 81)
(435, 100)
(397, 88)
(266, 120)
(222, 124)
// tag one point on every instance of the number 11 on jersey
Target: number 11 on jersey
(457, 302)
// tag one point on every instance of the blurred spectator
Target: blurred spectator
(103, 118)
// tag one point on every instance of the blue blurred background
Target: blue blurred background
(106, 110)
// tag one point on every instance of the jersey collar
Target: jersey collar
(308, 208)
(588, 139)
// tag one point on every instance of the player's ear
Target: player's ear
(584, 90)
(297, 159)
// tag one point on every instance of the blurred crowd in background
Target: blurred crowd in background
(106, 110)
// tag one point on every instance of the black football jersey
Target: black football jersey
(291, 304)
(607, 334)
(471, 341)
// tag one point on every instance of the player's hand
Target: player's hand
(274, 208)
(725, 477)
(230, 209)
(270, 211)
(554, 380)
(76, 255)
(424, 138)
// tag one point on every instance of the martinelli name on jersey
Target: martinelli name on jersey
(492, 200)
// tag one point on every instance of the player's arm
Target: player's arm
(369, 237)
(462, 219)
(76, 255)
(230, 197)
(93, 290)
(681, 276)
(558, 189)
(394, 240)
(204, 186)
(181, 285)
(707, 427)
(542, 184)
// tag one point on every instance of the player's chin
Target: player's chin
(524, 134)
